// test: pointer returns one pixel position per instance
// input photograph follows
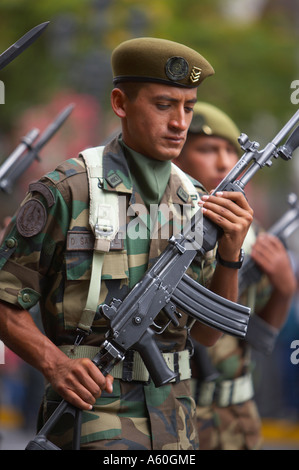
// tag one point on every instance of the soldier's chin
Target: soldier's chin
(170, 152)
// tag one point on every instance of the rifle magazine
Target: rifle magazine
(209, 308)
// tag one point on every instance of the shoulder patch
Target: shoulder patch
(44, 190)
(31, 218)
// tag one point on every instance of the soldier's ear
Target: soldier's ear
(118, 100)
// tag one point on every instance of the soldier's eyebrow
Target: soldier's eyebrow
(175, 100)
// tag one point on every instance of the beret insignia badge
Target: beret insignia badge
(195, 74)
(176, 68)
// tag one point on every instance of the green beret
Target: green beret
(209, 120)
(159, 60)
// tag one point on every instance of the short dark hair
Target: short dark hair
(131, 89)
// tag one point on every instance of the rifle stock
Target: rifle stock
(41, 442)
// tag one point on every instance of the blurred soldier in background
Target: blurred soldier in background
(227, 415)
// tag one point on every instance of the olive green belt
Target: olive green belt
(225, 392)
(178, 362)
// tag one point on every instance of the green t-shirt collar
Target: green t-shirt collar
(149, 176)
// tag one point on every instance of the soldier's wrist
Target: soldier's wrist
(233, 263)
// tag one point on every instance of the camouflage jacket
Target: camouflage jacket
(47, 252)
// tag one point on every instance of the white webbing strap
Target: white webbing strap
(94, 291)
(104, 222)
(103, 211)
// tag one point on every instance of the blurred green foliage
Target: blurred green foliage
(255, 59)
(255, 62)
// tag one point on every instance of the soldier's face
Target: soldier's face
(156, 122)
(208, 159)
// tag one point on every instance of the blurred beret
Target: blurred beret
(159, 60)
(211, 121)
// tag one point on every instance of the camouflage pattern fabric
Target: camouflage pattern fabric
(235, 427)
(135, 416)
(46, 257)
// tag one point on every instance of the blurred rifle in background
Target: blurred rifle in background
(250, 273)
(18, 47)
(25, 153)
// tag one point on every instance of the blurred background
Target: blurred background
(253, 46)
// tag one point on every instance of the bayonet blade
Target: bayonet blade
(18, 47)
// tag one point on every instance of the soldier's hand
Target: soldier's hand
(230, 211)
(80, 382)
(270, 255)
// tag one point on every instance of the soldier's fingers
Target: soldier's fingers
(236, 196)
(109, 383)
(76, 392)
(74, 399)
(105, 383)
(227, 211)
(270, 242)
(233, 202)
(91, 377)
(261, 255)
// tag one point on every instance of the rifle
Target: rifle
(166, 286)
(18, 47)
(250, 273)
(18, 162)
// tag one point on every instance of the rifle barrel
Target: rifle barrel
(10, 162)
(18, 47)
(11, 172)
(53, 127)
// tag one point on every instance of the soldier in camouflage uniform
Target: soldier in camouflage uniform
(227, 415)
(47, 254)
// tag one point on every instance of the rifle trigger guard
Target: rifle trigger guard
(170, 310)
(160, 329)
